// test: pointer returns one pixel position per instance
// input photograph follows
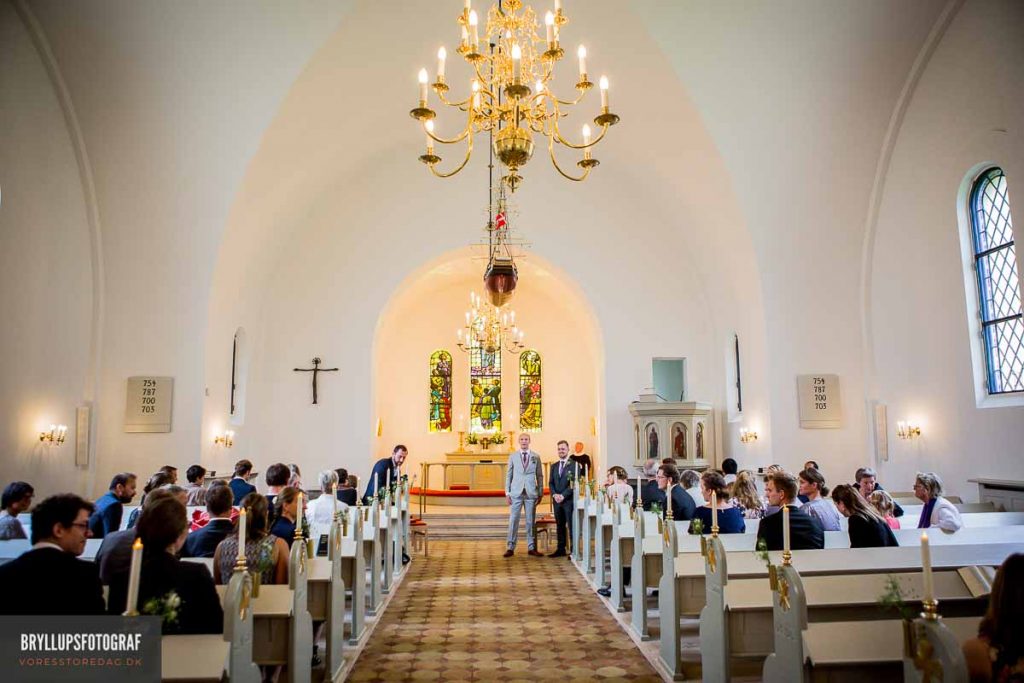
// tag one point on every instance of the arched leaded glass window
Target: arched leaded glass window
(530, 409)
(485, 386)
(440, 391)
(999, 294)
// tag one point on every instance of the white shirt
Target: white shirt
(320, 511)
(621, 492)
(698, 497)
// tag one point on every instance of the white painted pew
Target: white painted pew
(646, 567)
(621, 551)
(602, 538)
(587, 534)
(15, 547)
(579, 507)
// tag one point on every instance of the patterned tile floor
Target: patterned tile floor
(465, 613)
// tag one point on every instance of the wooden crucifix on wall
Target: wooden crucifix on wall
(316, 369)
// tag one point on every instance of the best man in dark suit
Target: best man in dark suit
(384, 469)
(203, 543)
(683, 507)
(560, 481)
(109, 509)
(805, 533)
(239, 484)
(50, 579)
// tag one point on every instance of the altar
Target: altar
(475, 471)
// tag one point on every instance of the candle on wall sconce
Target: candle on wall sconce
(747, 435)
(54, 436)
(227, 439)
(908, 430)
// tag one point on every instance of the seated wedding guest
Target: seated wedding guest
(683, 507)
(171, 472)
(204, 542)
(158, 480)
(17, 498)
(650, 490)
(347, 486)
(867, 528)
(812, 485)
(201, 518)
(115, 553)
(277, 478)
(997, 653)
(731, 470)
(295, 477)
(810, 464)
(772, 509)
(110, 506)
(618, 488)
(163, 528)
(321, 510)
(286, 514)
(730, 517)
(239, 483)
(196, 474)
(866, 480)
(265, 554)
(690, 480)
(746, 497)
(805, 533)
(937, 512)
(49, 578)
(883, 502)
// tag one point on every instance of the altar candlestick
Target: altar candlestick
(241, 535)
(714, 511)
(132, 605)
(926, 566)
(785, 528)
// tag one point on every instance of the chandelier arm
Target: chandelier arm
(461, 103)
(571, 103)
(554, 162)
(446, 141)
(469, 153)
(600, 136)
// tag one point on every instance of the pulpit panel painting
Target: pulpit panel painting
(679, 441)
(440, 391)
(530, 409)
(652, 441)
(484, 388)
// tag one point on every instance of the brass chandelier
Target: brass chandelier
(489, 328)
(510, 94)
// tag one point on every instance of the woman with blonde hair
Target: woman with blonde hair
(886, 506)
(746, 497)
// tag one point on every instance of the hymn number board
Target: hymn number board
(148, 408)
(818, 397)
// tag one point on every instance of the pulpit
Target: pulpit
(476, 471)
(682, 430)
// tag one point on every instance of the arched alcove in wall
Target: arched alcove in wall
(422, 317)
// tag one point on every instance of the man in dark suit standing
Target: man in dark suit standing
(239, 483)
(560, 484)
(50, 579)
(805, 533)
(383, 470)
(203, 543)
(683, 507)
(110, 507)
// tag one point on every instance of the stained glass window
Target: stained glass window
(440, 391)
(995, 262)
(485, 387)
(530, 412)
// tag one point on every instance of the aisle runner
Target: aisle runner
(465, 613)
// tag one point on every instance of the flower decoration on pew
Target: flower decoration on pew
(166, 608)
(892, 598)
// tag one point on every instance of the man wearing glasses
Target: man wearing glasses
(49, 578)
(683, 507)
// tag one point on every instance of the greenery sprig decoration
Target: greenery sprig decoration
(892, 598)
(761, 551)
(697, 527)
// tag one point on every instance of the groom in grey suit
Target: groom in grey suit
(524, 486)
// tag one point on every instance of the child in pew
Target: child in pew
(746, 497)
(997, 653)
(163, 528)
(730, 517)
(867, 528)
(886, 506)
(266, 556)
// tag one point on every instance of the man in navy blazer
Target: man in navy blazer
(683, 507)
(49, 578)
(239, 484)
(383, 470)
(110, 507)
(805, 533)
(203, 542)
(560, 480)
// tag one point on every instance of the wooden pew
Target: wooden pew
(646, 567)
(327, 600)
(602, 538)
(15, 547)
(590, 511)
(621, 551)
(385, 530)
(371, 530)
(579, 509)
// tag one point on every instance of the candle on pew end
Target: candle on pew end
(334, 501)
(926, 567)
(241, 535)
(785, 528)
(301, 512)
(131, 607)
(639, 486)
(714, 511)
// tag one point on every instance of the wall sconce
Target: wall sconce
(55, 436)
(747, 435)
(380, 427)
(907, 430)
(227, 439)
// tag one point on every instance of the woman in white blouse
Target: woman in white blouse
(618, 488)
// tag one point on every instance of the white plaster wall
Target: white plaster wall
(965, 111)
(46, 295)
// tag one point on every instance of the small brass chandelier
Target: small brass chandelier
(510, 94)
(489, 328)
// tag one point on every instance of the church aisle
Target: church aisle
(466, 613)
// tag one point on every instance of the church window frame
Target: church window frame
(485, 415)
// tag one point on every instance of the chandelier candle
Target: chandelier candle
(442, 55)
(582, 54)
(604, 93)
